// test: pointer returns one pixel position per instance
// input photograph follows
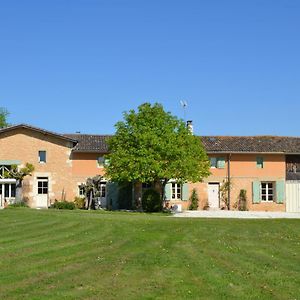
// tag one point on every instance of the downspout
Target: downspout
(229, 183)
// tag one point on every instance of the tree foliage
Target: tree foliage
(3, 117)
(152, 145)
(19, 174)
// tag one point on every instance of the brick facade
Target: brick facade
(67, 167)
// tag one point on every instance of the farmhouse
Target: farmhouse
(266, 167)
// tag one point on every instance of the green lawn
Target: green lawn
(92, 255)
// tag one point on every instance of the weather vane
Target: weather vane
(184, 106)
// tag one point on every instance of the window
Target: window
(103, 189)
(42, 185)
(100, 162)
(267, 191)
(42, 156)
(259, 162)
(81, 190)
(217, 162)
(176, 191)
(213, 162)
(8, 190)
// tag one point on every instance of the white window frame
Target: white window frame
(267, 188)
(41, 161)
(176, 191)
(103, 189)
(80, 190)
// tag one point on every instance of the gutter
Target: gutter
(229, 180)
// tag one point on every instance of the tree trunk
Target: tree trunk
(90, 200)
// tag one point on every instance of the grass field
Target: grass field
(91, 255)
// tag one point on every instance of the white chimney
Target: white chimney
(189, 125)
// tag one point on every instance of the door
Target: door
(293, 196)
(42, 192)
(103, 194)
(7, 191)
(213, 195)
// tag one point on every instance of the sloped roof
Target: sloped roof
(212, 144)
(255, 144)
(37, 129)
(90, 142)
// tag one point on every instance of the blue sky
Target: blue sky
(77, 65)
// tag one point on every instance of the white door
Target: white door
(213, 195)
(42, 192)
(293, 196)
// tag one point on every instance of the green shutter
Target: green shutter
(280, 191)
(168, 191)
(112, 195)
(221, 163)
(185, 191)
(256, 191)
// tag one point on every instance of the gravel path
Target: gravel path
(237, 214)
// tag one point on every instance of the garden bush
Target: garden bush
(151, 201)
(63, 205)
(18, 204)
(79, 202)
(194, 200)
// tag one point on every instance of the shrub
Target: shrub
(194, 200)
(79, 202)
(18, 204)
(242, 202)
(63, 205)
(151, 201)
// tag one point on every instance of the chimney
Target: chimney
(189, 125)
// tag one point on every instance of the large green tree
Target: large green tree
(152, 145)
(3, 117)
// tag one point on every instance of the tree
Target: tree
(3, 117)
(19, 175)
(224, 192)
(194, 200)
(152, 145)
(92, 189)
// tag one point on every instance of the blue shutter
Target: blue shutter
(280, 193)
(185, 192)
(112, 195)
(256, 191)
(168, 191)
(221, 163)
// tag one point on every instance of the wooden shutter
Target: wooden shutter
(256, 192)
(112, 195)
(280, 192)
(185, 191)
(221, 163)
(168, 191)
